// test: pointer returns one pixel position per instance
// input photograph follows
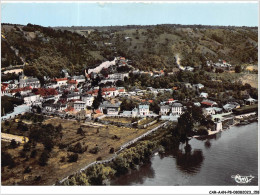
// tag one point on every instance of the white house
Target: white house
(118, 76)
(29, 82)
(204, 95)
(109, 109)
(79, 79)
(31, 99)
(88, 100)
(61, 81)
(79, 105)
(177, 109)
(144, 110)
(164, 109)
(198, 86)
(209, 111)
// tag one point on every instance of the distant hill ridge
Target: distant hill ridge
(47, 50)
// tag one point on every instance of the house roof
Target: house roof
(176, 105)
(60, 79)
(21, 89)
(46, 91)
(98, 111)
(72, 82)
(3, 87)
(143, 106)
(165, 107)
(208, 102)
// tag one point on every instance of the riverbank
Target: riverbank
(130, 158)
(229, 150)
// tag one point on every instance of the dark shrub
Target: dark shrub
(73, 158)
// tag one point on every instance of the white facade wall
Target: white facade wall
(177, 110)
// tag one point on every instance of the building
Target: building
(61, 81)
(204, 95)
(250, 101)
(218, 126)
(198, 86)
(109, 109)
(81, 115)
(31, 98)
(230, 106)
(88, 100)
(208, 103)
(209, 111)
(29, 82)
(79, 105)
(177, 109)
(79, 79)
(143, 110)
(164, 110)
(118, 76)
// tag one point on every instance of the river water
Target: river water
(210, 161)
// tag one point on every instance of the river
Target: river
(210, 161)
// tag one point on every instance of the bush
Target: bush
(94, 150)
(13, 144)
(7, 160)
(27, 170)
(48, 144)
(80, 131)
(27, 147)
(62, 146)
(73, 158)
(112, 150)
(99, 158)
(63, 159)
(33, 154)
(7, 123)
(238, 69)
(78, 148)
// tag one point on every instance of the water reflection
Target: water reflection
(188, 161)
(136, 176)
(207, 144)
(200, 162)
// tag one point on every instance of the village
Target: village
(95, 112)
(73, 97)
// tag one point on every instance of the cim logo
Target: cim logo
(242, 179)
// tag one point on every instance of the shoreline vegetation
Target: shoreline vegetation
(140, 153)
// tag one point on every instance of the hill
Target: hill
(48, 50)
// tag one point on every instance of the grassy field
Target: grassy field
(103, 137)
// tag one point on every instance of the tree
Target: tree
(120, 165)
(95, 103)
(238, 69)
(197, 114)
(185, 123)
(44, 158)
(98, 173)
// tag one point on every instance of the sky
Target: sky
(107, 14)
